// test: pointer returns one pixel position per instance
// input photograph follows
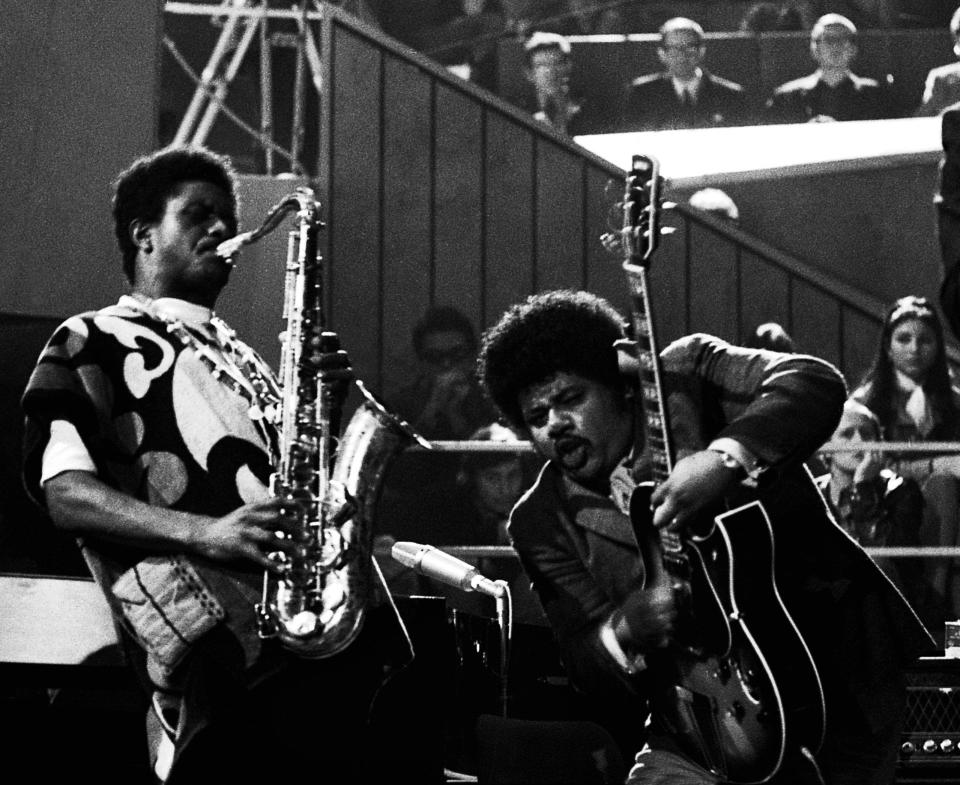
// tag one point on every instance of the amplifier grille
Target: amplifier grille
(930, 745)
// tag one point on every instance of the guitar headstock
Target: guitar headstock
(641, 210)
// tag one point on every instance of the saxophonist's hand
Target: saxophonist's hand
(248, 533)
(332, 361)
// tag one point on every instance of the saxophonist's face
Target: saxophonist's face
(177, 252)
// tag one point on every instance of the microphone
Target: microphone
(427, 560)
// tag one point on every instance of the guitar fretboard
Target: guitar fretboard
(656, 423)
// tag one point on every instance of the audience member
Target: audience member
(833, 91)
(548, 69)
(942, 87)
(908, 388)
(444, 401)
(684, 94)
(464, 37)
(874, 505)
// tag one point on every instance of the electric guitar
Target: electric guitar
(737, 686)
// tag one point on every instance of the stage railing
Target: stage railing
(898, 552)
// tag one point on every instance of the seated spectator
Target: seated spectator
(464, 37)
(444, 401)
(548, 69)
(874, 505)
(908, 388)
(684, 94)
(833, 91)
(942, 87)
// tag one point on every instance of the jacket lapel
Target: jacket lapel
(597, 514)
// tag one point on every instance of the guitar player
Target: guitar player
(743, 422)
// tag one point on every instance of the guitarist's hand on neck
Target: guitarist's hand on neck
(696, 482)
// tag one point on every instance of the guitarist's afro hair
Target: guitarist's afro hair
(563, 330)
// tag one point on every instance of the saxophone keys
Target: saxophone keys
(303, 623)
(333, 596)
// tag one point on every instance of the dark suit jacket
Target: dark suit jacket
(651, 104)
(855, 98)
(580, 554)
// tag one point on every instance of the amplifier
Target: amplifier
(930, 745)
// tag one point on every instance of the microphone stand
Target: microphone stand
(505, 623)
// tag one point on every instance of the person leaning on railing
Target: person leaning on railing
(908, 387)
(875, 505)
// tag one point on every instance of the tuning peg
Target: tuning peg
(668, 205)
(665, 230)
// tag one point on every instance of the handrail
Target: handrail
(523, 446)
(894, 551)
(849, 296)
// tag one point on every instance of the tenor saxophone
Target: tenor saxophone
(316, 601)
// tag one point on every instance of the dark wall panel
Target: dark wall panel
(509, 202)
(874, 229)
(861, 335)
(764, 295)
(458, 202)
(559, 206)
(408, 264)
(816, 322)
(354, 190)
(714, 289)
(76, 108)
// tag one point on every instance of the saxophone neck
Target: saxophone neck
(302, 201)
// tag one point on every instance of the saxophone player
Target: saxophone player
(148, 438)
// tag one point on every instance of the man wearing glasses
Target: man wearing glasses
(684, 94)
(833, 91)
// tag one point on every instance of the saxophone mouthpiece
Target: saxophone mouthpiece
(227, 250)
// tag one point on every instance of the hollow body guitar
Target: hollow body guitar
(737, 686)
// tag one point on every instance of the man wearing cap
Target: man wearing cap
(833, 91)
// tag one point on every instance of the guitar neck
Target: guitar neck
(652, 400)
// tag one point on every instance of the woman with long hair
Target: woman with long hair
(908, 387)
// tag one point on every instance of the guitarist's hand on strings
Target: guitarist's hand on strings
(696, 482)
